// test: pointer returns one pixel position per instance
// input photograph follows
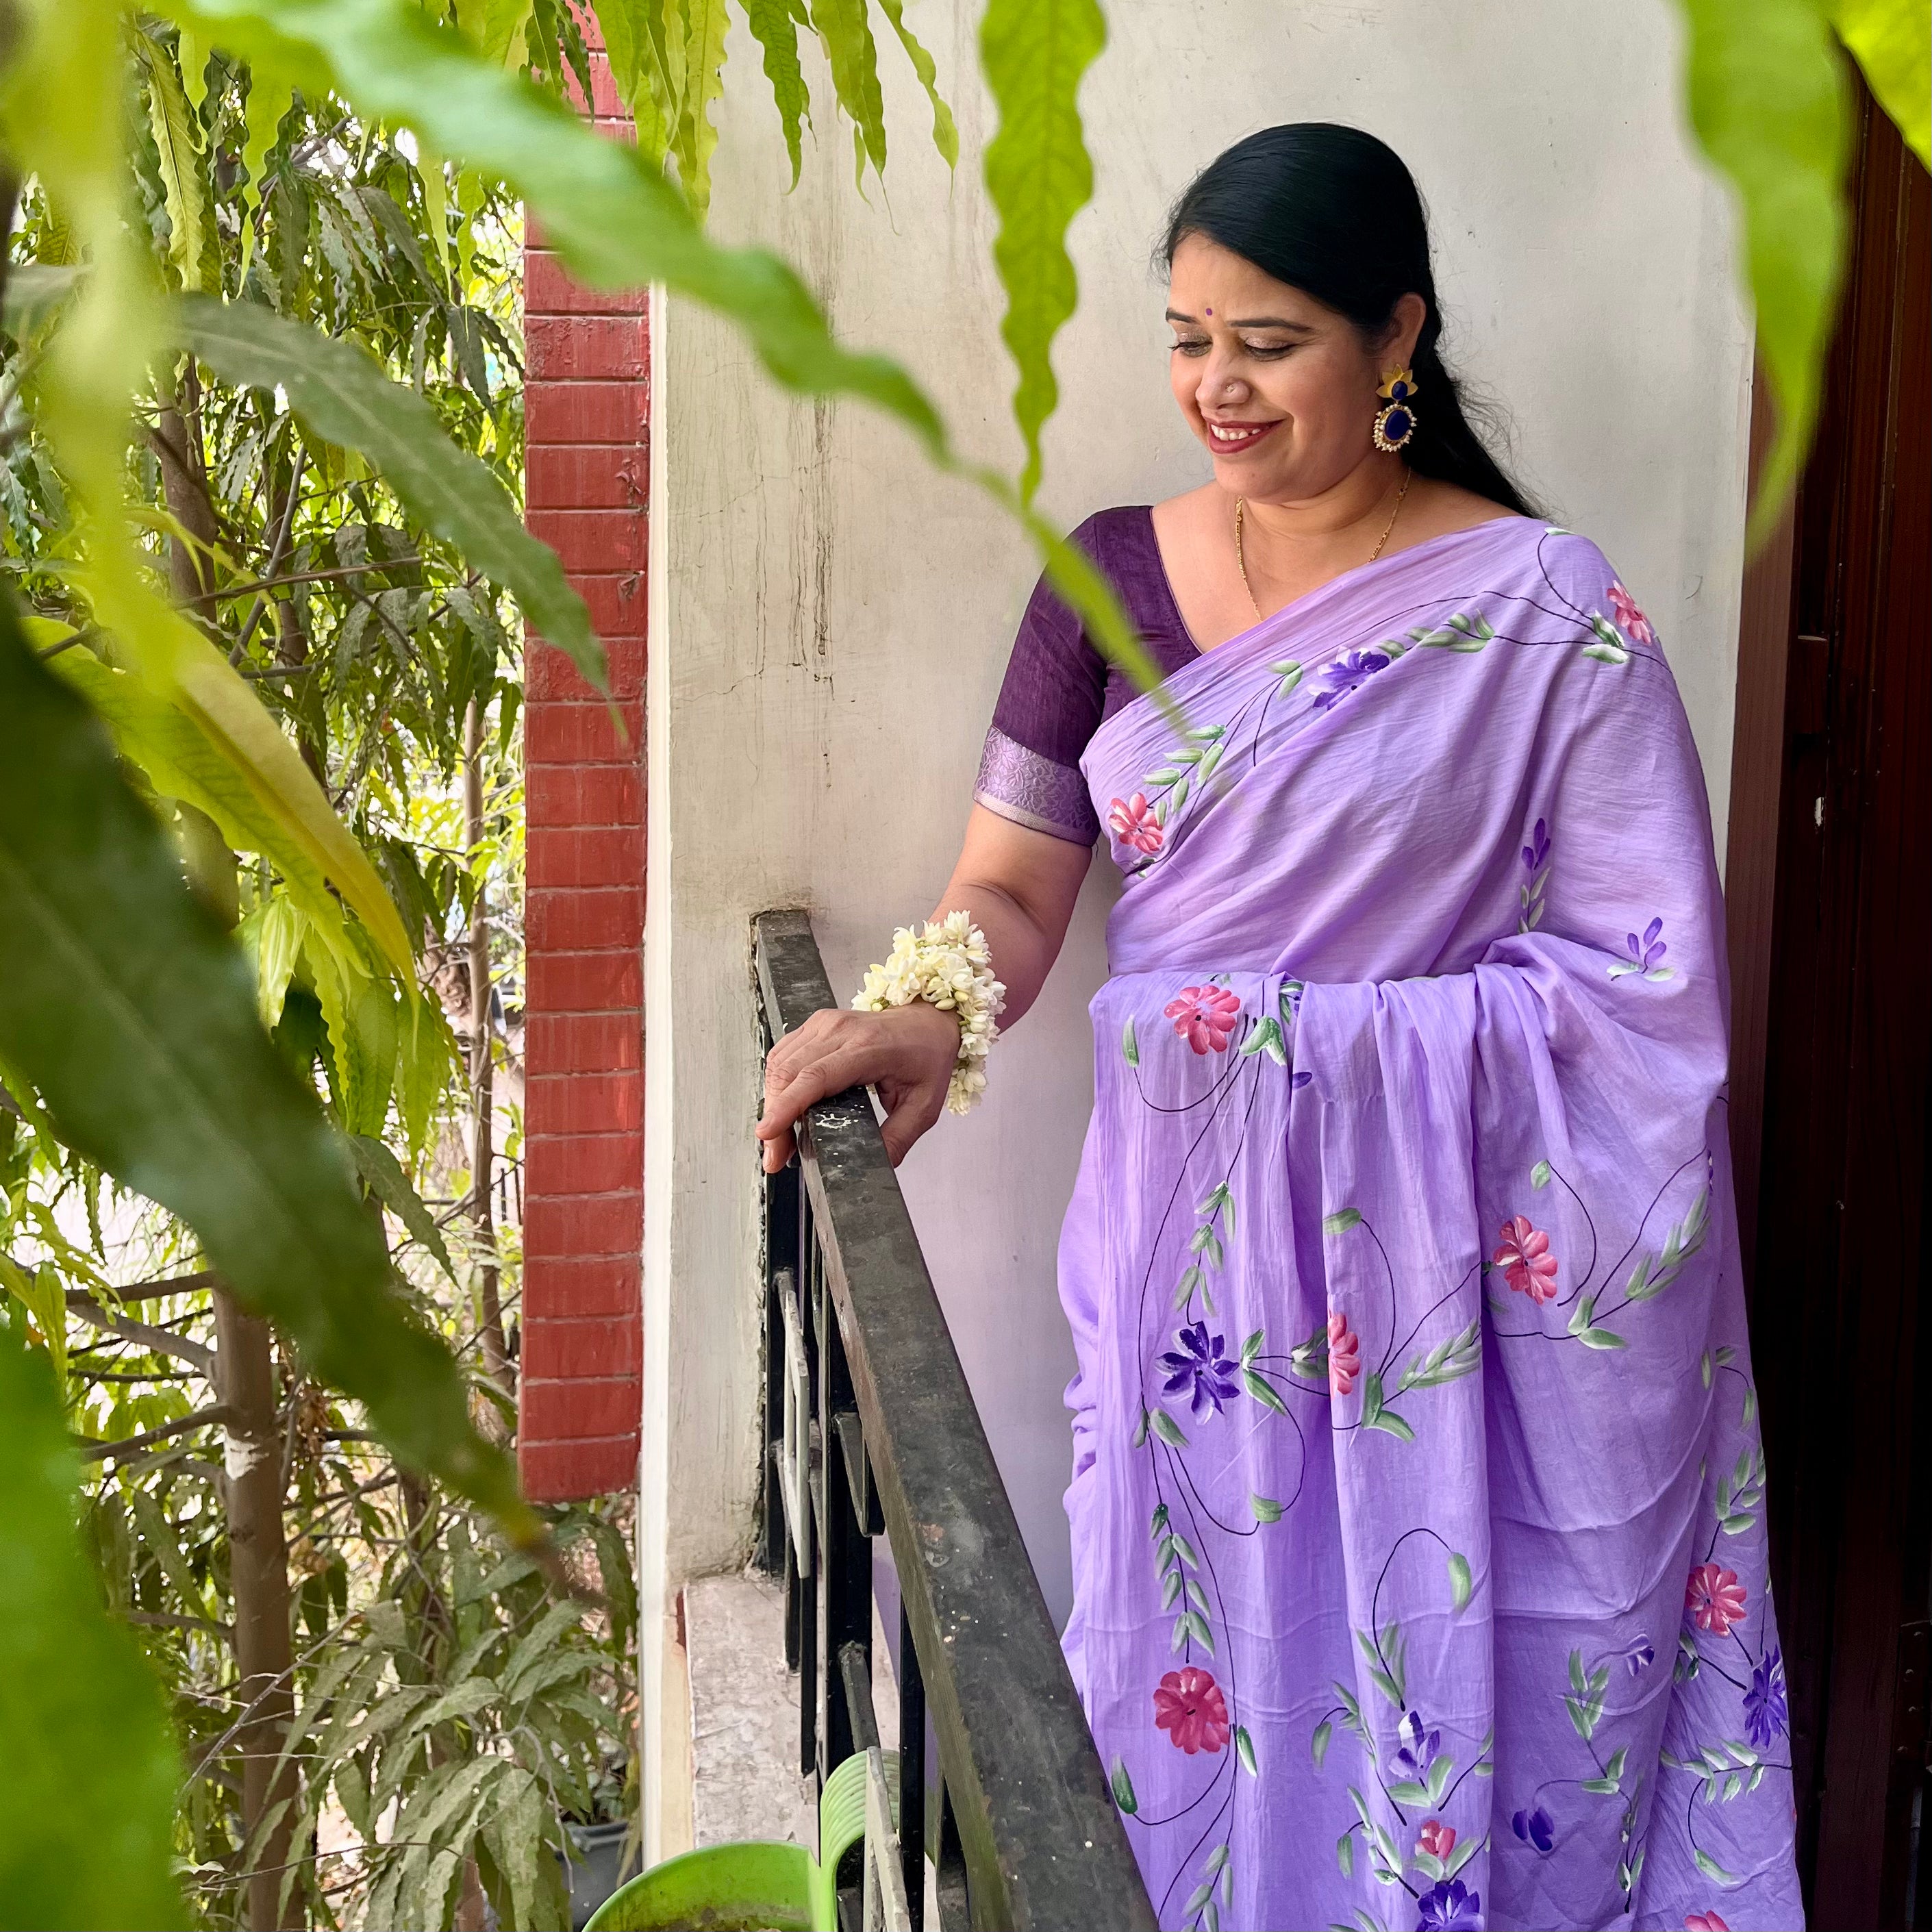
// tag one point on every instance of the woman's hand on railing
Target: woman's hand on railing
(908, 1053)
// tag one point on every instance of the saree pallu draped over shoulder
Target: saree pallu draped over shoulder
(1418, 1501)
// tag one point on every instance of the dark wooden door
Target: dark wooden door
(1830, 887)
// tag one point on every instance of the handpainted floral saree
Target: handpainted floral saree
(1418, 1509)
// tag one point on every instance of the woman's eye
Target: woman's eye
(1267, 352)
(1191, 345)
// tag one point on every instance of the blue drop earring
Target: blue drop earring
(1395, 423)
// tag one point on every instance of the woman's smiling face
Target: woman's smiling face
(1280, 389)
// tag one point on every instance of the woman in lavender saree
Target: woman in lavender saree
(1417, 1509)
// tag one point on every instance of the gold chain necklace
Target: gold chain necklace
(1241, 555)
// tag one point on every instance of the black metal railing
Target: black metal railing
(870, 1430)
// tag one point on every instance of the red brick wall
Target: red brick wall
(587, 413)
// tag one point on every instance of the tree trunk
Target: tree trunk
(482, 1073)
(175, 439)
(258, 1567)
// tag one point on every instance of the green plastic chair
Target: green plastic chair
(755, 1885)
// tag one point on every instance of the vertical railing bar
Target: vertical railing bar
(912, 1770)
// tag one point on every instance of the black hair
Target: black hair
(1334, 212)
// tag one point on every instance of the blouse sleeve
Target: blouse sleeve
(1049, 706)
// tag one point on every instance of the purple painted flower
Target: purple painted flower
(1200, 1367)
(1302, 1079)
(1535, 1827)
(1638, 1656)
(1450, 1906)
(1767, 1715)
(1417, 1752)
(1536, 853)
(1350, 669)
(1646, 954)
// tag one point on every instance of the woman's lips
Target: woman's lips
(1231, 438)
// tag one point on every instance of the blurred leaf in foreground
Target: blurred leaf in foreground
(131, 1009)
(87, 1825)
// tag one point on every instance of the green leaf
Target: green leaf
(383, 1176)
(775, 30)
(1599, 1787)
(1539, 1175)
(84, 1728)
(1123, 1788)
(1767, 103)
(1033, 53)
(1892, 41)
(131, 1009)
(1244, 1750)
(1266, 1509)
(1600, 1338)
(1319, 1744)
(945, 135)
(1345, 1852)
(1460, 1582)
(695, 140)
(338, 388)
(1130, 1046)
(1140, 1427)
(1712, 1870)
(1341, 1221)
(847, 37)
(173, 123)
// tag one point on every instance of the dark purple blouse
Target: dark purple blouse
(1059, 689)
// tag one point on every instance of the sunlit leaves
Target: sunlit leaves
(1892, 41)
(132, 1012)
(87, 1829)
(1039, 177)
(1767, 99)
(338, 389)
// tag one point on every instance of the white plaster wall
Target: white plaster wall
(829, 622)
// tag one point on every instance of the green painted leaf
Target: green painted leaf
(1169, 1430)
(1345, 1852)
(1123, 1788)
(84, 1728)
(173, 1087)
(1259, 1386)
(1130, 1045)
(1266, 1509)
(1460, 1582)
(339, 389)
(1539, 1175)
(1141, 1428)
(1033, 53)
(1244, 1750)
(1712, 1870)
(1341, 1221)
(1324, 1732)
(1601, 1338)
(1767, 103)
(1892, 41)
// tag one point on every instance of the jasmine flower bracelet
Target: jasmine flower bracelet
(949, 967)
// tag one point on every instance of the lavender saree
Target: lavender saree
(1418, 1508)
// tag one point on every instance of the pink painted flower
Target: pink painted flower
(1715, 1599)
(1438, 1839)
(1189, 1707)
(1636, 625)
(1344, 1353)
(1134, 824)
(1204, 1016)
(1525, 1259)
(1705, 1921)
